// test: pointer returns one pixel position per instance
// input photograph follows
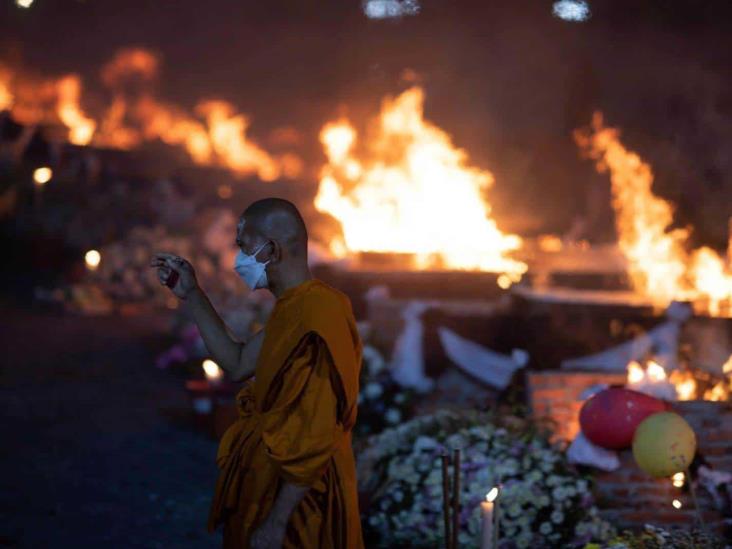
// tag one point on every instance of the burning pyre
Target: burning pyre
(661, 264)
(214, 135)
(407, 189)
(681, 384)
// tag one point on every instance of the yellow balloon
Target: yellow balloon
(664, 444)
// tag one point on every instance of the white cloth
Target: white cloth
(407, 362)
(488, 366)
(583, 452)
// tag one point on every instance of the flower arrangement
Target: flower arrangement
(382, 402)
(653, 537)
(544, 501)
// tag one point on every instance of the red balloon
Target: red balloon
(610, 417)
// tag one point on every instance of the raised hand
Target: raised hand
(176, 273)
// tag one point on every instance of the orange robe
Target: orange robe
(295, 421)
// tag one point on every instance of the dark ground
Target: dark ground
(97, 447)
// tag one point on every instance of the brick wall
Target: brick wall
(628, 497)
(555, 396)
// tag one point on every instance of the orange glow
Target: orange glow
(660, 264)
(655, 372)
(81, 128)
(6, 97)
(686, 386)
(214, 135)
(227, 133)
(408, 189)
(636, 374)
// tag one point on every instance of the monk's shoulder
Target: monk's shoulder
(323, 303)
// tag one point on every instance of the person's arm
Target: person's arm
(236, 358)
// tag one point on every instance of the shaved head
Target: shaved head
(279, 220)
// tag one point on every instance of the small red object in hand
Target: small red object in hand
(172, 279)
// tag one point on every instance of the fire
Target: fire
(215, 134)
(409, 190)
(81, 128)
(660, 264)
(685, 383)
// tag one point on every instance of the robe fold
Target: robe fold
(294, 425)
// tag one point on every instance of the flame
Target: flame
(492, 494)
(42, 175)
(727, 367)
(686, 386)
(92, 258)
(81, 128)
(212, 370)
(636, 374)
(215, 134)
(719, 392)
(411, 191)
(655, 372)
(660, 264)
(6, 96)
(227, 132)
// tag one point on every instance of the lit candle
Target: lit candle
(486, 509)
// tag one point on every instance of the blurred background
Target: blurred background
(449, 152)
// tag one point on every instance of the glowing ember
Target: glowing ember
(212, 370)
(660, 264)
(92, 258)
(409, 190)
(42, 175)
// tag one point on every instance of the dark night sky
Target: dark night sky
(506, 79)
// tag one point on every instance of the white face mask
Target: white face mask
(251, 271)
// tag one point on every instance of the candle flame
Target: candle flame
(492, 494)
(212, 370)
(92, 259)
(42, 175)
(678, 480)
(676, 503)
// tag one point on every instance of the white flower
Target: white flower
(524, 540)
(393, 416)
(373, 390)
(545, 528)
(424, 443)
(557, 517)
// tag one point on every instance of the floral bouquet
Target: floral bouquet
(653, 537)
(544, 501)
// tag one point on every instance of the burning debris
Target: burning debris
(407, 189)
(661, 264)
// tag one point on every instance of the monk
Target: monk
(287, 473)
